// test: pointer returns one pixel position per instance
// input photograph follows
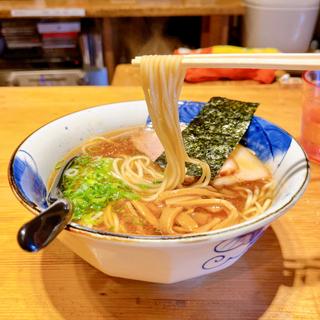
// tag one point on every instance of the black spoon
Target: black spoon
(41, 230)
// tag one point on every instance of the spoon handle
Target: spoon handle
(41, 230)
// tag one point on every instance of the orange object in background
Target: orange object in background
(194, 75)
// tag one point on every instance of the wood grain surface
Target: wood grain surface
(279, 278)
(131, 8)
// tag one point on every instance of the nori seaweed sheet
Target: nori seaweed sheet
(214, 133)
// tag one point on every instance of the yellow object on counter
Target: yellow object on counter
(235, 49)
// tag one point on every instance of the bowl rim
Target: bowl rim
(224, 233)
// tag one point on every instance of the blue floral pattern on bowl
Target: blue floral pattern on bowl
(229, 251)
(29, 182)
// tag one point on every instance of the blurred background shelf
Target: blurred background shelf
(126, 27)
(95, 36)
(124, 8)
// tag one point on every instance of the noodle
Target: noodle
(162, 78)
(167, 218)
(111, 219)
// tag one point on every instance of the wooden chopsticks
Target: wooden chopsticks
(288, 61)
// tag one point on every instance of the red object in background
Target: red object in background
(208, 74)
(194, 75)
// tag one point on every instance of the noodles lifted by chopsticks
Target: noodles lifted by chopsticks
(162, 79)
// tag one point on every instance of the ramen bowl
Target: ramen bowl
(162, 259)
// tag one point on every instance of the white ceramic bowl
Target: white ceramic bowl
(154, 259)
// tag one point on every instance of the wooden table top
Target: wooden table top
(130, 8)
(279, 278)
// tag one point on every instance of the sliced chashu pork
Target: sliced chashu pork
(250, 168)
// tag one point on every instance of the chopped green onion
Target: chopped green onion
(90, 186)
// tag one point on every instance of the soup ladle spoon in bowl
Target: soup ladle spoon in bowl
(45, 227)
